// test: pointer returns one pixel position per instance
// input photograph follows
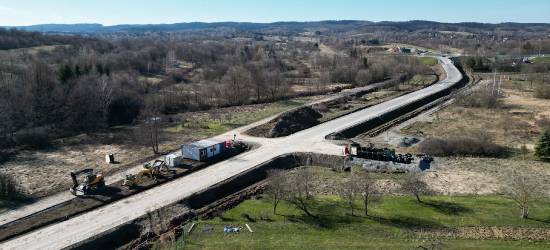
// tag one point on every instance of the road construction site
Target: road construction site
(124, 212)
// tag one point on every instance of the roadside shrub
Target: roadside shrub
(522, 125)
(479, 99)
(4, 156)
(460, 147)
(245, 216)
(8, 187)
(321, 108)
(33, 140)
(482, 135)
(459, 111)
(544, 124)
(542, 93)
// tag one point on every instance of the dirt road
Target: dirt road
(311, 140)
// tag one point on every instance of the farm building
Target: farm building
(203, 149)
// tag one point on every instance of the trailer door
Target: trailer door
(216, 149)
(210, 151)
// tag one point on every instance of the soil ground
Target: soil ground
(512, 124)
(108, 195)
(44, 172)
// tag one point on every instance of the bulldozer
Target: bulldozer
(93, 182)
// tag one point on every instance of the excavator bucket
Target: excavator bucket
(93, 182)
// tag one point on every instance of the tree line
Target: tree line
(297, 190)
(92, 83)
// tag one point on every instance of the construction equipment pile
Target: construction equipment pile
(378, 154)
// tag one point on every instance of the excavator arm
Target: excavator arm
(74, 174)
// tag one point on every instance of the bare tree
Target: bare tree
(415, 185)
(237, 85)
(476, 187)
(151, 122)
(300, 193)
(105, 95)
(525, 191)
(275, 189)
(363, 78)
(523, 150)
(349, 192)
(369, 191)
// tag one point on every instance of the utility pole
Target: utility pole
(499, 83)
(494, 82)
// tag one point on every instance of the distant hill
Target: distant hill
(334, 25)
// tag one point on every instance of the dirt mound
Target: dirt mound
(403, 142)
(288, 123)
(335, 136)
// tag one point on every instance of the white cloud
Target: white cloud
(6, 8)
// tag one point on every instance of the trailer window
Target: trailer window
(203, 153)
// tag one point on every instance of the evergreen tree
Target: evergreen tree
(272, 54)
(65, 74)
(471, 63)
(542, 149)
(77, 71)
(479, 63)
(99, 67)
(527, 46)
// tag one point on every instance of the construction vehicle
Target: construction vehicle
(152, 170)
(130, 180)
(93, 182)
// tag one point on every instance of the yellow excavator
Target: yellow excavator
(93, 182)
(150, 170)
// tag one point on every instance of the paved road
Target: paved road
(54, 200)
(311, 140)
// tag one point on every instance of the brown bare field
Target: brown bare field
(511, 125)
(44, 172)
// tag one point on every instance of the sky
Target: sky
(113, 12)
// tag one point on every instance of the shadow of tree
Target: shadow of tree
(326, 217)
(448, 208)
(547, 220)
(406, 222)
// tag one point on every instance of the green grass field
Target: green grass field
(388, 227)
(404, 211)
(34, 50)
(542, 60)
(430, 61)
(288, 235)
